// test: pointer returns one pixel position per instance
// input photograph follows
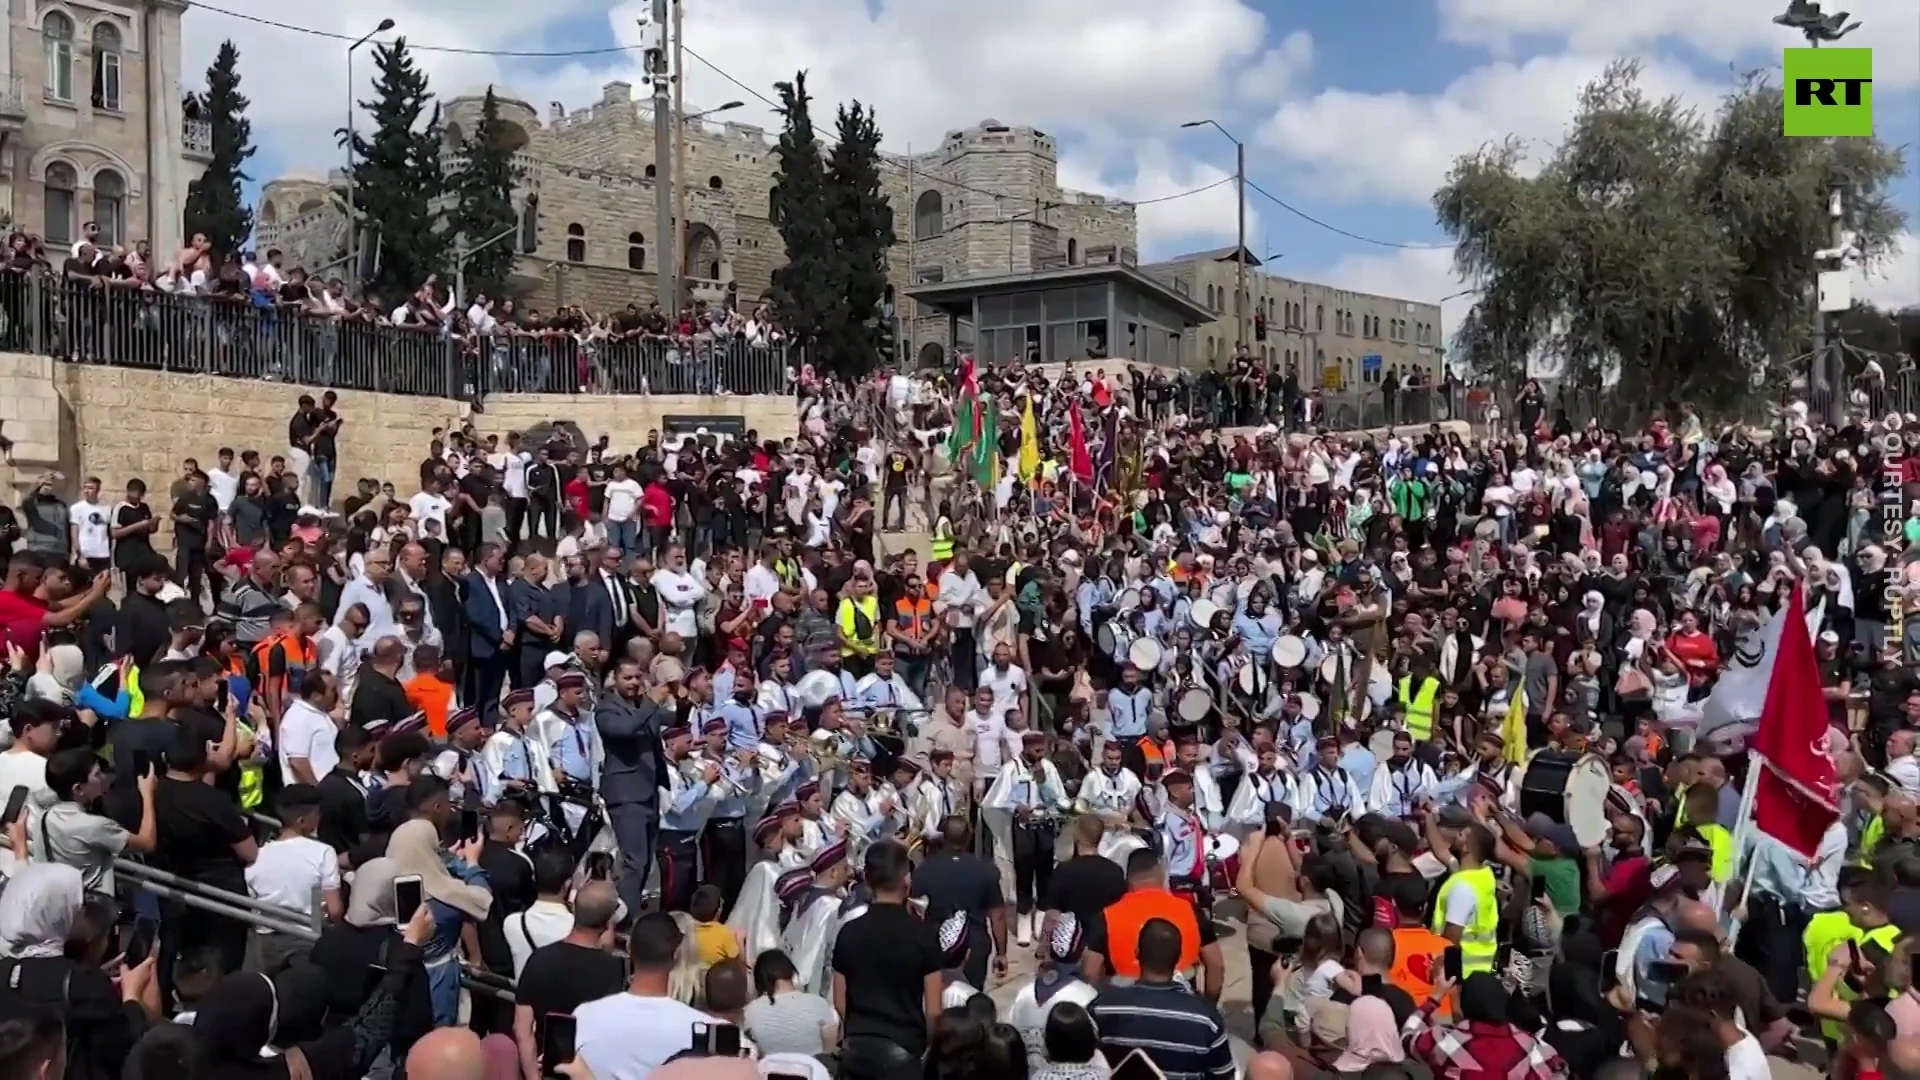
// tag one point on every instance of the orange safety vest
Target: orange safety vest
(910, 616)
(1128, 914)
(301, 657)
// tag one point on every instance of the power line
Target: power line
(1304, 216)
(448, 49)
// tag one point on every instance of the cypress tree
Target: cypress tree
(397, 175)
(802, 289)
(214, 205)
(863, 230)
(482, 186)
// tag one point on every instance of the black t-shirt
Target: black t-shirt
(139, 545)
(198, 826)
(885, 957)
(300, 429)
(198, 511)
(324, 448)
(963, 882)
(561, 977)
(1085, 885)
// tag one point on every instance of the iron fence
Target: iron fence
(1338, 410)
(122, 325)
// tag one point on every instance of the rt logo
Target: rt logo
(1829, 91)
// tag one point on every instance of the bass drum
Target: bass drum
(1570, 790)
(1223, 864)
(1118, 846)
(1193, 704)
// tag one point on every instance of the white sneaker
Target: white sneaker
(1023, 929)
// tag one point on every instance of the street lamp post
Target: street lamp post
(353, 232)
(677, 256)
(1241, 300)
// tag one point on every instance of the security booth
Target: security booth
(1074, 313)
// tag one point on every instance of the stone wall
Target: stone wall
(118, 423)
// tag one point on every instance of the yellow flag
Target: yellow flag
(1515, 729)
(1029, 443)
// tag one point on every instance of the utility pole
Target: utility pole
(1241, 301)
(680, 230)
(657, 58)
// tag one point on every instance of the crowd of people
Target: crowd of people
(250, 314)
(565, 751)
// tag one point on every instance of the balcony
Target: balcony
(196, 139)
(706, 290)
(13, 103)
(526, 167)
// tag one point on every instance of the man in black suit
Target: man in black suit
(630, 720)
(611, 578)
(583, 602)
(487, 615)
(446, 589)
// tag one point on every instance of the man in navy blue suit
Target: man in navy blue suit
(489, 614)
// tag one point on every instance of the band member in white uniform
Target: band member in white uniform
(868, 812)
(1206, 786)
(808, 938)
(1029, 789)
(781, 771)
(1269, 783)
(1110, 792)
(756, 915)
(816, 829)
(1327, 791)
(937, 795)
(1402, 784)
(1183, 836)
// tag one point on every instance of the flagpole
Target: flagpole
(1742, 830)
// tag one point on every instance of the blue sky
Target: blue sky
(1351, 112)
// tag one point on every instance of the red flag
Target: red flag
(1079, 462)
(1798, 792)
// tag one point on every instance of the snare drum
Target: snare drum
(1382, 743)
(1309, 704)
(1193, 704)
(1127, 601)
(1201, 614)
(1289, 652)
(1144, 653)
(1248, 678)
(1223, 863)
(1104, 637)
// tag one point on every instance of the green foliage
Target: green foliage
(862, 222)
(802, 289)
(1673, 249)
(482, 185)
(397, 174)
(214, 205)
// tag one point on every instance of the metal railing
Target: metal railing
(261, 914)
(1218, 405)
(122, 325)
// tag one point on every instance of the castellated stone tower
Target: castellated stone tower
(986, 202)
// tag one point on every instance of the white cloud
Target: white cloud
(1734, 31)
(1399, 146)
(928, 66)
(1279, 69)
(1423, 275)
(1167, 228)
(1895, 282)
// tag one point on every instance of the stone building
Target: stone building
(93, 123)
(1332, 338)
(985, 201)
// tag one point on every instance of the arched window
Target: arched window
(1319, 317)
(713, 183)
(1073, 252)
(649, 172)
(636, 251)
(929, 215)
(110, 206)
(57, 35)
(106, 67)
(63, 204)
(1349, 322)
(576, 243)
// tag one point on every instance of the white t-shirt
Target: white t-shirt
(1007, 686)
(1461, 906)
(1500, 497)
(625, 1036)
(426, 506)
(90, 522)
(541, 924)
(224, 486)
(623, 499)
(1746, 1060)
(22, 769)
(287, 871)
(306, 732)
(512, 468)
(761, 584)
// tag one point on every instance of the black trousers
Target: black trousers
(484, 678)
(679, 868)
(1260, 963)
(193, 571)
(865, 1057)
(965, 661)
(1772, 942)
(545, 519)
(723, 847)
(1033, 847)
(516, 520)
(635, 826)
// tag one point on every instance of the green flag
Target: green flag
(985, 463)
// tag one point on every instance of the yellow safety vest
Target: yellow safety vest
(1680, 804)
(859, 644)
(1722, 842)
(1826, 931)
(1419, 706)
(1478, 949)
(942, 544)
(136, 701)
(1870, 838)
(252, 778)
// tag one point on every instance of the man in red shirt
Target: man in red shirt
(39, 599)
(656, 506)
(1619, 878)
